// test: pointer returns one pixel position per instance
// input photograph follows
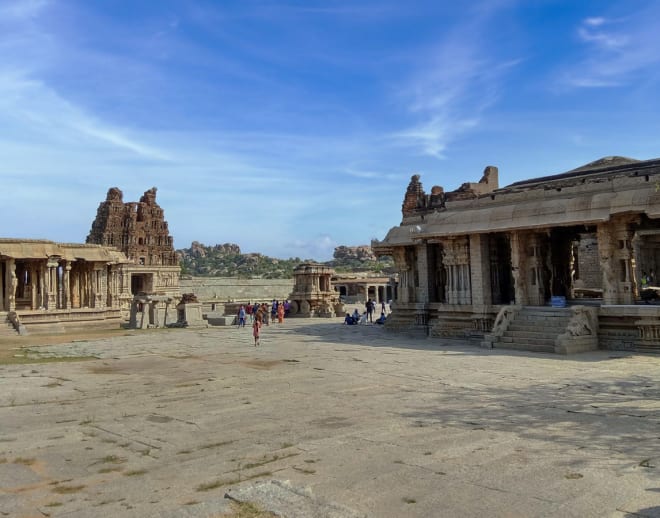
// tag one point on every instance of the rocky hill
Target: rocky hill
(226, 260)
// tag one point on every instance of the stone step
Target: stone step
(536, 325)
(544, 314)
(533, 335)
(544, 309)
(542, 318)
(541, 340)
(7, 329)
(526, 346)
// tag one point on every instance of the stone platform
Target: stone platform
(327, 420)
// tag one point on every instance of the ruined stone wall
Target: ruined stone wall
(223, 289)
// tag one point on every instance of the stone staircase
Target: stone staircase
(535, 329)
(6, 327)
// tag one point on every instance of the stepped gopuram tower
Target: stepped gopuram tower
(137, 229)
(140, 231)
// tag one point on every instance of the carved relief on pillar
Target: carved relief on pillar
(51, 283)
(12, 284)
(519, 267)
(536, 269)
(606, 251)
(67, 285)
(404, 269)
(456, 258)
(100, 287)
(623, 239)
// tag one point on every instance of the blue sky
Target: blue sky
(291, 127)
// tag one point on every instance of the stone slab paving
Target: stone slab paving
(327, 420)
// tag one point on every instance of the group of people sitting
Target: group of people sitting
(356, 318)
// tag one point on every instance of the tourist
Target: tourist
(644, 280)
(264, 313)
(349, 320)
(370, 310)
(356, 316)
(287, 308)
(363, 318)
(248, 310)
(382, 307)
(273, 310)
(241, 316)
(382, 318)
(280, 313)
(256, 331)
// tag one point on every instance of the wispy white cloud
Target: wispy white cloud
(592, 32)
(321, 246)
(594, 21)
(19, 10)
(34, 108)
(616, 50)
(457, 80)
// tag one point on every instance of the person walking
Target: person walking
(241, 316)
(280, 313)
(256, 331)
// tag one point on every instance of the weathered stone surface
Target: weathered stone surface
(166, 422)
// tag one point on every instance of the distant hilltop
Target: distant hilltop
(226, 260)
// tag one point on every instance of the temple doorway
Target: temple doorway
(501, 280)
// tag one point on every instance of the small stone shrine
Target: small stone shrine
(313, 294)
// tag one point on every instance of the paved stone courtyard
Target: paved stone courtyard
(327, 420)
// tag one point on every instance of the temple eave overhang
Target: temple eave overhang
(503, 216)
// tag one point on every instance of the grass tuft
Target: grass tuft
(66, 490)
(135, 472)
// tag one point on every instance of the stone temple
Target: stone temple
(547, 264)
(151, 275)
(48, 287)
(140, 231)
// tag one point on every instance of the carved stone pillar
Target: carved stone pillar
(402, 266)
(100, 287)
(3, 290)
(535, 271)
(480, 270)
(51, 284)
(75, 287)
(34, 302)
(623, 236)
(608, 268)
(457, 262)
(11, 282)
(519, 267)
(422, 291)
(66, 281)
